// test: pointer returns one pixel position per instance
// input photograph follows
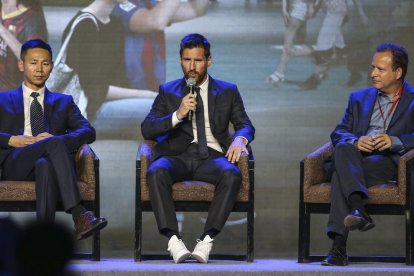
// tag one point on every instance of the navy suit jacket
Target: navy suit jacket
(357, 117)
(62, 118)
(225, 106)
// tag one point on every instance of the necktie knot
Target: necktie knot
(34, 95)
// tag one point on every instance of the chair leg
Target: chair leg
(96, 238)
(409, 235)
(304, 234)
(138, 232)
(250, 235)
(96, 247)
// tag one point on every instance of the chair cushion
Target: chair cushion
(25, 191)
(387, 193)
(194, 191)
(190, 190)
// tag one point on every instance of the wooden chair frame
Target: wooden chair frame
(306, 209)
(192, 206)
(93, 205)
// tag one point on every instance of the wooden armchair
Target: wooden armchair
(20, 196)
(192, 196)
(384, 199)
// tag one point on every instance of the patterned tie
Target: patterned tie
(36, 115)
(201, 128)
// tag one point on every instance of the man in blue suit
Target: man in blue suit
(192, 131)
(376, 130)
(39, 131)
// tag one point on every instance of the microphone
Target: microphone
(191, 82)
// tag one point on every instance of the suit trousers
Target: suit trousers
(354, 172)
(216, 169)
(49, 163)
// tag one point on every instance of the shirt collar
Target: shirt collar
(28, 91)
(204, 85)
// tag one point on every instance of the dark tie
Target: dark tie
(36, 115)
(201, 128)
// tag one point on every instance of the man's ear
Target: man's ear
(209, 61)
(399, 73)
(20, 65)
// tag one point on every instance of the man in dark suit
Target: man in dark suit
(39, 130)
(376, 130)
(194, 144)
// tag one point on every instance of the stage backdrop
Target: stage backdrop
(247, 39)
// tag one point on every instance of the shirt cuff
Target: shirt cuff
(351, 141)
(175, 120)
(397, 145)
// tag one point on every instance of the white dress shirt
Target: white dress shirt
(212, 142)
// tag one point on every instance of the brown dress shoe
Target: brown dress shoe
(359, 220)
(87, 224)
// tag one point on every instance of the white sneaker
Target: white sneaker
(202, 249)
(178, 250)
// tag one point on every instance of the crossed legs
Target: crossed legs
(354, 172)
(48, 162)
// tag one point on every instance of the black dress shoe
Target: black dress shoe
(359, 220)
(335, 258)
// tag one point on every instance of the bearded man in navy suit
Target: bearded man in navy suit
(39, 131)
(196, 146)
(375, 131)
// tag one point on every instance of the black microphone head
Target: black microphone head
(191, 82)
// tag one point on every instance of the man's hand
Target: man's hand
(235, 150)
(365, 144)
(382, 141)
(188, 103)
(20, 141)
(42, 136)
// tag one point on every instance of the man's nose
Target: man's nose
(192, 65)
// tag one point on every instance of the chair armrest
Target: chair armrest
(145, 155)
(85, 165)
(313, 172)
(403, 167)
(243, 166)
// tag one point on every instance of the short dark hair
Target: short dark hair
(32, 44)
(195, 41)
(399, 56)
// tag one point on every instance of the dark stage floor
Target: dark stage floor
(258, 267)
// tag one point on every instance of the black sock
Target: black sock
(339, 242)
(77, 211)
(169, 233)
(356, 200)
(212, 233)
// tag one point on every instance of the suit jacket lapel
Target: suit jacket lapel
(212, 96)
(402, 106)
(48, 109)
(18, 104)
